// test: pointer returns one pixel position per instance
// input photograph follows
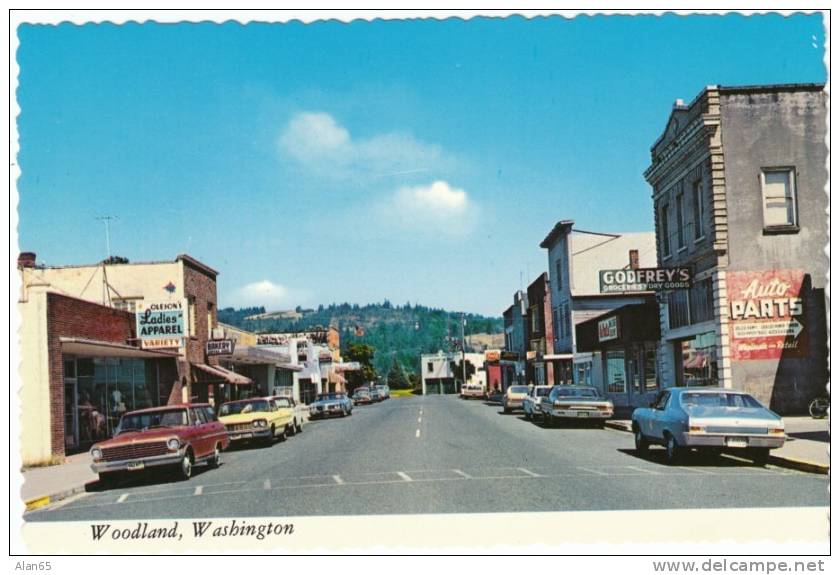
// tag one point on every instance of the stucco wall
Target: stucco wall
(779, 129)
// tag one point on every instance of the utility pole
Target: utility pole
(107, 221)
(463, 354)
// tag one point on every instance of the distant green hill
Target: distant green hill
(403, 332)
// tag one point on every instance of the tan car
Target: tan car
(514, 397)
(255, 419)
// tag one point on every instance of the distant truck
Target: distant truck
(473, 390)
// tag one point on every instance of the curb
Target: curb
(778, 460)
(44, 500)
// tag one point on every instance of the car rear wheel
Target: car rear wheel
(761, 456)
(300, 427)
(673, 451)
(292, 429)
(528, 415)
(641, 442)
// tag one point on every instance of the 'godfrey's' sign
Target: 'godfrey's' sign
(161, 324)
(645, 279)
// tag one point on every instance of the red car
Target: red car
(172, 437)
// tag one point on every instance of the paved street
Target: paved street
(443, 455)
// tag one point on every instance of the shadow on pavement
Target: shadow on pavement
(148, 477)
(656, 454)
(810, 435)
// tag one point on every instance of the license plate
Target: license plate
(736, 442)
(135, 466)
(246, 435)
(583, 414)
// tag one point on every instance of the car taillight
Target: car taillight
(696, 429)
(776, 431)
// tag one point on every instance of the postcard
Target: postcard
(420, 282)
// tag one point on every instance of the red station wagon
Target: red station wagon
(172, 437)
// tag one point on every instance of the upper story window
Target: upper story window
(430, 367)
(680, 221)
(535, 320)
(665, 232)
(778, 192)
(191, 303)
(697, 197)
(558, 279)
(210, 307)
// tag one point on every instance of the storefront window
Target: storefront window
(650, 368)
(699, 360)
(584, 373)
(616, 375)
(102, 390)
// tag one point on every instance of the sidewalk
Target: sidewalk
(806, 448)
(43, 485)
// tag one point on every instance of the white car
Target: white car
(531, 403)
(300, 412)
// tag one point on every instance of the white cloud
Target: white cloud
(266, 293)
(317, 141)
(436, 208)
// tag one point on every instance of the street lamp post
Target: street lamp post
(463, 355)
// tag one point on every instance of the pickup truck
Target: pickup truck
(300, 413)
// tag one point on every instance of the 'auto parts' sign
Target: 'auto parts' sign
(161, 324)
(766, 314)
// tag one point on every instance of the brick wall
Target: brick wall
(71, 317)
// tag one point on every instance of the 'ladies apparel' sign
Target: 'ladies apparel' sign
(161, 324)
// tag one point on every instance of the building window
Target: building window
(779, 196)
(678, 313)
(650, 368)
(699, 232)
(535, 320)
(616, 375)
(698, 360)
(584, 373)
(559, 275)
(558, 327)
(430, 367)
(209, 320)
(666, 236)
(702, 306)
(680, 221)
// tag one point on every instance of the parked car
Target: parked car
(384, 391)
(513, 397)
(473, 390)
(375, 394)
(361, 396)
(331, 404)
(685, 418)
(299, 413)
(175, 437)
(579, 402)
(531, 404)
(256, 419)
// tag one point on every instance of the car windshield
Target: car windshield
(330, 396)
(576, 392)
(518, 389)
(542, 391)
(723, 399)
(243, 407)
(282, 402)
(167, 418)
(361, 393)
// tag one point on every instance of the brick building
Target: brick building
(83, 360)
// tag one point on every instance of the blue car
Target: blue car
(331, 405)
(703, 418)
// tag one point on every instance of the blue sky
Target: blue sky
(417, 161)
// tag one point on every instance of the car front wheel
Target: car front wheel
(185, 467)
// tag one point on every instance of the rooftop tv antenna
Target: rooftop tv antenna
(107, 221)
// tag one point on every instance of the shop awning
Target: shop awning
(218, 373)
(95, 348)
(290, 367)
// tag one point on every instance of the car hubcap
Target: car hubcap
(187, 466)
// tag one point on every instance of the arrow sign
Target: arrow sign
(785, 328)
